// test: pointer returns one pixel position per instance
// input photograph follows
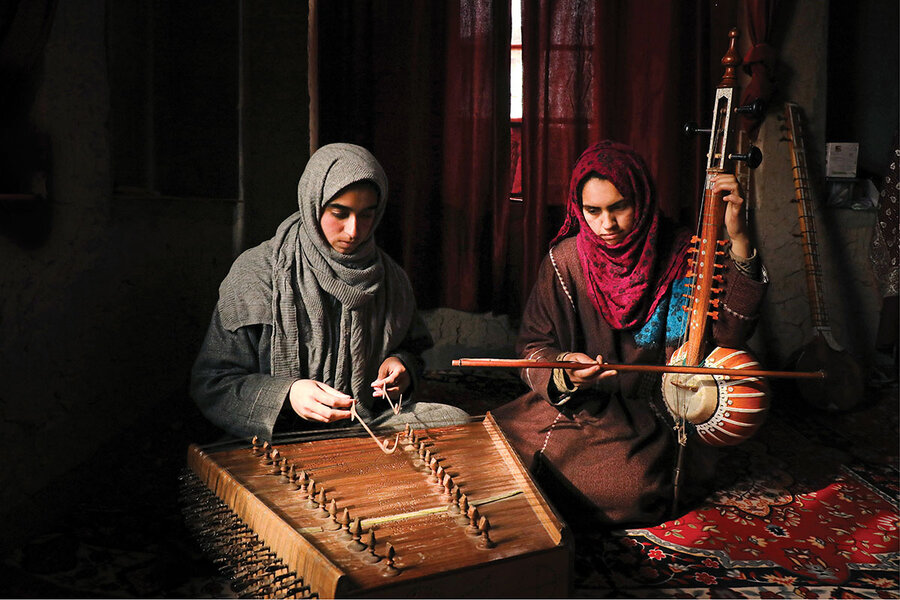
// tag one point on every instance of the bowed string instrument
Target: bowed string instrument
(844, 389)
(722, 392)
(724, 409)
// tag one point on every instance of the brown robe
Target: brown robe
(607, 454)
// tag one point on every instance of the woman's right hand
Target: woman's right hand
(315, 401)
(588, 375)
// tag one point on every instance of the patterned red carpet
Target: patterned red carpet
(806, 509)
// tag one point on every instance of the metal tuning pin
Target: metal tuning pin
(754, 110)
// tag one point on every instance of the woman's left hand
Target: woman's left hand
(727, 185)
(392, 376)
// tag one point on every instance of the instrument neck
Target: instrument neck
(705, 272)
(803, 197)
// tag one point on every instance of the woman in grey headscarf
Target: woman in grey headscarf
(317, 316)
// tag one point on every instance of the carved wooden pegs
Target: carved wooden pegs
(356, 531)
(484, 526)
(390, 570)
(371, 557)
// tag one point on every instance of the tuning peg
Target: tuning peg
(753, 157)
(754, 110)
(691, 128)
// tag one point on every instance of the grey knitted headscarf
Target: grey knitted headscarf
(375, 297)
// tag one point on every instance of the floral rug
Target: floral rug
(806, 509)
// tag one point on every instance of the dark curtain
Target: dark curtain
(630, 71)
(476, 183)
(425, 86)
(24, 28)
(419, 84)
(760, 60)
(25, 160)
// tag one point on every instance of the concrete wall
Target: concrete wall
(852, 300)
(100, 323)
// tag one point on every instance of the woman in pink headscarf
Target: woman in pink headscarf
(612, 290)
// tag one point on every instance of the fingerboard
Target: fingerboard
(806, 213)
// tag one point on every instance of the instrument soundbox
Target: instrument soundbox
(725, 409)
(846, 381)
(452, 513)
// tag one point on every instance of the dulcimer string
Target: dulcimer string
(539, 364)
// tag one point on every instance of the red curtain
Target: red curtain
(630, 71)
(476, 179)
(425, 86)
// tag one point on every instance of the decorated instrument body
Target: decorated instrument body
(726, 410)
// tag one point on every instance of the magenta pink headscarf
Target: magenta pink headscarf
(626, 281)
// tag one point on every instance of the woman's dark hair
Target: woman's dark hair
(585, 179)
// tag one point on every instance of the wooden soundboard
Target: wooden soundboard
(453, 512)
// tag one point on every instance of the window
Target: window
(515, 101)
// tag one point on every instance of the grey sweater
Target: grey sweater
(232, 384)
